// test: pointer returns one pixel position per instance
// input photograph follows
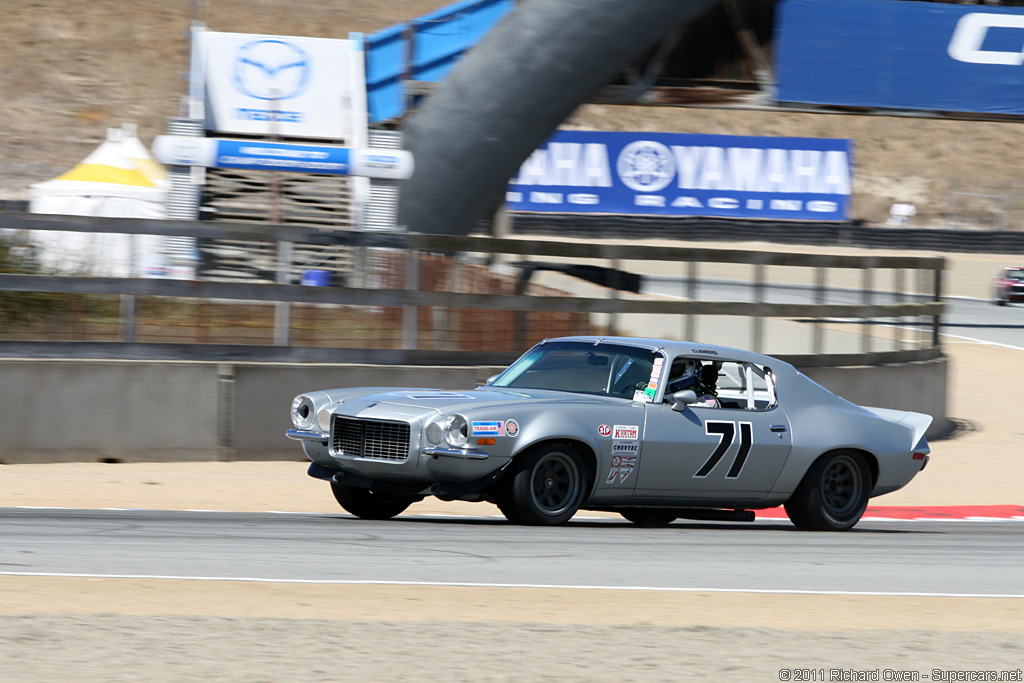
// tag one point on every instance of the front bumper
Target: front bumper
(302, 435)
(435, 451)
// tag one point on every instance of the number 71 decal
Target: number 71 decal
(726, 432)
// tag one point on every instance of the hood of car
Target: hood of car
(418, 402)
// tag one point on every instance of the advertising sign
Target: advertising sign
(901, 55)
(256, 155)
(288, 86)
(678, 174)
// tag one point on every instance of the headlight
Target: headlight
(323, 418)
(456, 431)
(302, 412)
(434, 432)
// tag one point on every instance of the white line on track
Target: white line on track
(458, 584)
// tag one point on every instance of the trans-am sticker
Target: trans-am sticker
(605, 430)
(511, 427)
(626, 432)
(489, 428)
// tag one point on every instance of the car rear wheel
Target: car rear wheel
(648, 517)
(547, 486)
(370, 504)
(833, 494)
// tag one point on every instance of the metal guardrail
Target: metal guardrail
(776, 232)
(411, 299)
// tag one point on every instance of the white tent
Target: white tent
(119, 179)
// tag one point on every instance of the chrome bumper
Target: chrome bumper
(302, 435)
(464, 453)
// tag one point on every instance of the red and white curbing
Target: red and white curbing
(930, 513)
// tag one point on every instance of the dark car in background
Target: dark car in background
(1008, 286)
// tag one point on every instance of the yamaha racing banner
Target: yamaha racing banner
(901, 55)
(678, 174)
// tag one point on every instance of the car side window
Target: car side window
(723, 384)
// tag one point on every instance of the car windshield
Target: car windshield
(583, 368)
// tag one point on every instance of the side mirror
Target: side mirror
(683, 398)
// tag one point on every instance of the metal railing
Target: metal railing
(434, 288)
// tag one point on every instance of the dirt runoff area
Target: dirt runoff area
(87, 629)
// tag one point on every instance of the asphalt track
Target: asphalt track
(899, 557)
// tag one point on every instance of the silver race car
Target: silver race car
(654, 430)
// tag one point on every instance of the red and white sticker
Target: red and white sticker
(511, 427)
(626, 432)
(656, 370)
(605, 430)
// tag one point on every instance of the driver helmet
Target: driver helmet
(684, 375)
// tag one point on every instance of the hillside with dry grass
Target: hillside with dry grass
(68, 71)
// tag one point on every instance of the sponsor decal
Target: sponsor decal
(605, 430)
(624, 448)
(626, 432)
(511, 427)
(656, 370)
(641, 396)
(488, 428)
(620, 470)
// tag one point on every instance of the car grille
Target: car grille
(374, 439)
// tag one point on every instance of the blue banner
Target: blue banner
(270, 156)
(901, 55)
(677, 174)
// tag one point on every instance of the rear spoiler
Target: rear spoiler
(917, 422)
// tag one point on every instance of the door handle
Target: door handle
(778, 428)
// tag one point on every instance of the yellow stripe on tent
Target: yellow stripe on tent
(101, 173)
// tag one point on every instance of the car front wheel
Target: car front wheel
(547, 486)
(833, 494)
(370, 504)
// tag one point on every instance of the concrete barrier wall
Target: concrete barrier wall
(919, 387)
(131, 411)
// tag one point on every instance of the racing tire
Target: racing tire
(1000, 302)
(648, 518)
(833, 494)
(370, 504)
(547, 486)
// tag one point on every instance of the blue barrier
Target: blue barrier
(424, 49)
